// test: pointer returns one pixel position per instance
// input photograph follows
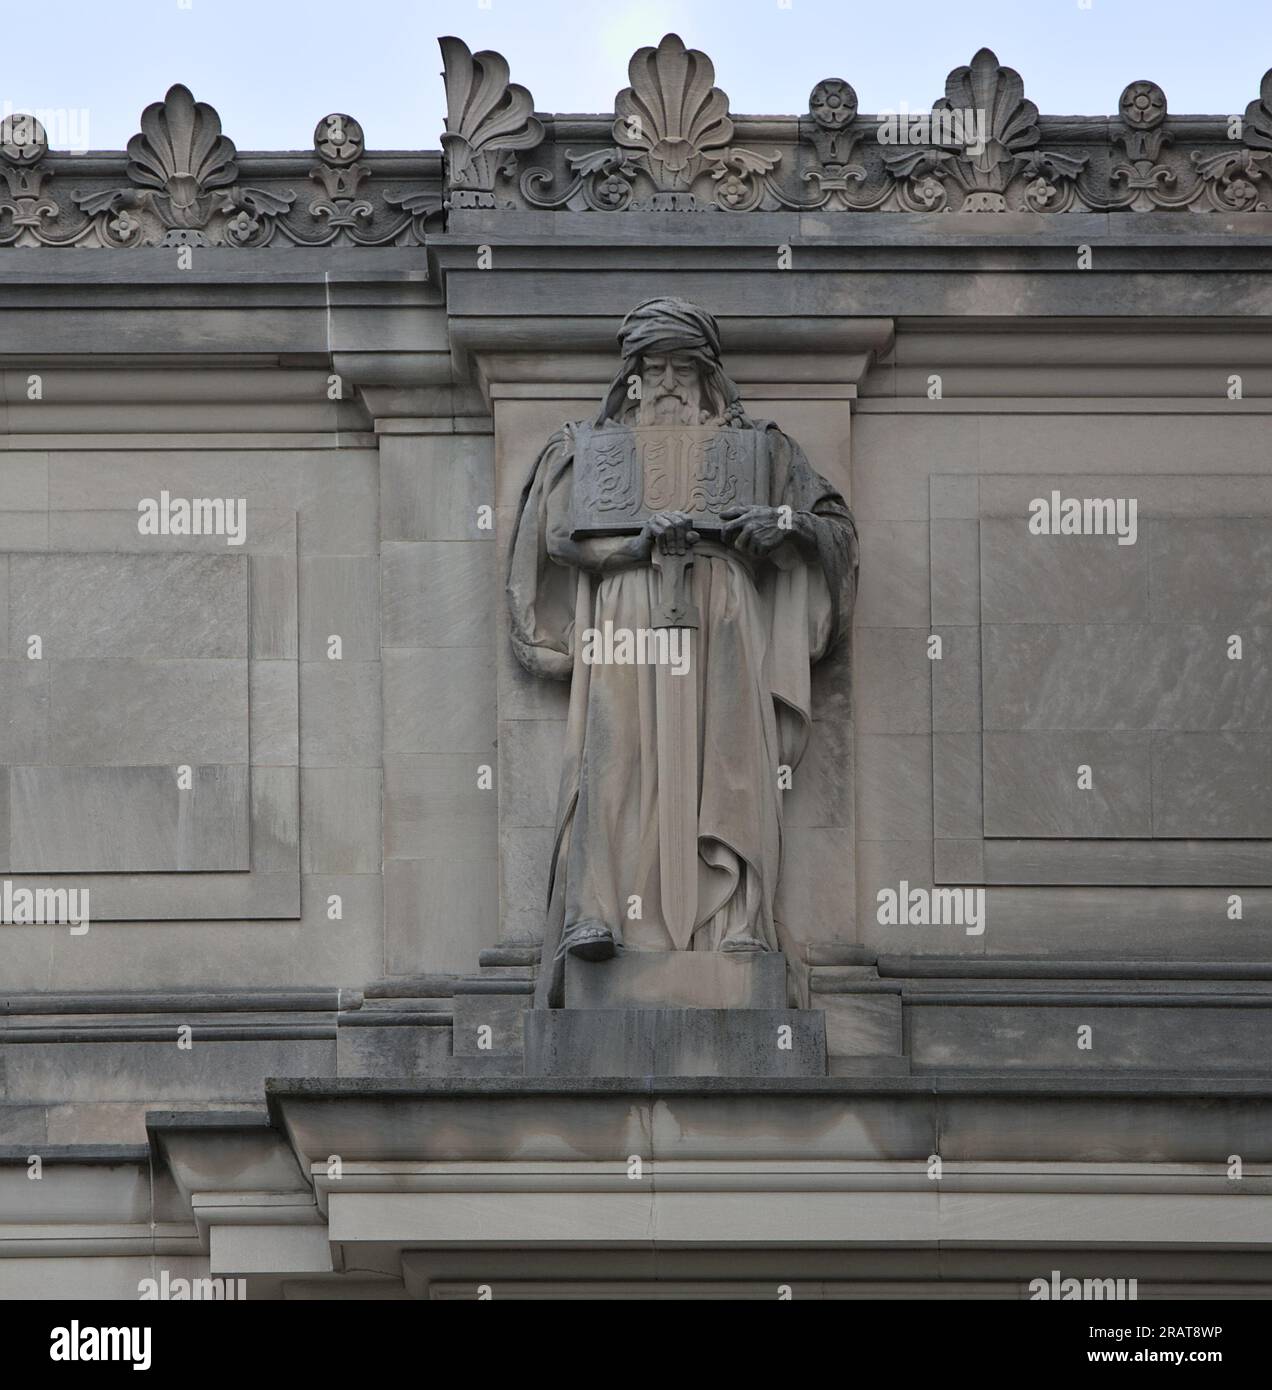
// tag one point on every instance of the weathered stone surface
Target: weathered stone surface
(1211, 569)
(892, 683)
(1111, 676)
(487, 1024)
(1059, 579)
(275, 630)
(396, 1050)
(129, 712)
(440, 911)
(432, 486)
(130, 605)
(274, 714)
(1033, 785)
(437, 804)
(439, 700)
(121, 819)
(821, 790)
(340, 829)
(894, 575)
(341, 726)
(340, 597)
(678, 979)
(1212, 785)
(431, 589)
(1091, 1036)
(675, 1042)
(894, 794)
(862, 1025)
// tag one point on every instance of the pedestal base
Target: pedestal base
(678, 979)
(653, 1041)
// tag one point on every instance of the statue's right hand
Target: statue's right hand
(673, 531)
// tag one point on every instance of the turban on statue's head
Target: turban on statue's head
(668, 325)
(665, 325)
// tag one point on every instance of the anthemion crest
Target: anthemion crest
(637, 666)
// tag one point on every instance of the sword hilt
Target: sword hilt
(674, 607)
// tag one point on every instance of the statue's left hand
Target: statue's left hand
(757, 531)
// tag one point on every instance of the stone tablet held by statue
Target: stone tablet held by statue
(625, 475)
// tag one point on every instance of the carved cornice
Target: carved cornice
(670, 145)
(674, 146)
(182, 183)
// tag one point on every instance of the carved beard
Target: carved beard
(674, 407)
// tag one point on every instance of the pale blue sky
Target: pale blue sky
(273, 67)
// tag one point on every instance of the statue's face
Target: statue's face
(670, 389)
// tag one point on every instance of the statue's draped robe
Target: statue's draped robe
(762, 623)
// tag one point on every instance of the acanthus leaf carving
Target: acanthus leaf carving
(673, 145)
(987, 101)
(181, 152)
(184, 189)
(488, 118)
(673, 113)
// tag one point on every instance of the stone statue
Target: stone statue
(683, 566)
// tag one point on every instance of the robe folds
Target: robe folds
(762, 624)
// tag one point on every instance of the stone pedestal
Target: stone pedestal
(676, 1013)
(675, 1042)
(677, 979)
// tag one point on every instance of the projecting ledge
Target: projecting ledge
(1154, 1118)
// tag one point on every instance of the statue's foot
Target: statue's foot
(590, 941)
(744, 943)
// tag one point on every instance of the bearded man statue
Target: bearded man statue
(669, 820)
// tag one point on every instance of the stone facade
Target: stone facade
(1024, 1015)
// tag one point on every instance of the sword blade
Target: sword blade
(676, 707)
(676, 714)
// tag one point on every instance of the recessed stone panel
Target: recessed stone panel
(128, 712)
(1211, 569)
(1059, 579)
(120, 819)
(1104, 676)
(148, 646)
(1116, 657)
(1033, 785)
(1212, 786)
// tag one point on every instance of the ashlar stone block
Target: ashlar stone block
(680, 979)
